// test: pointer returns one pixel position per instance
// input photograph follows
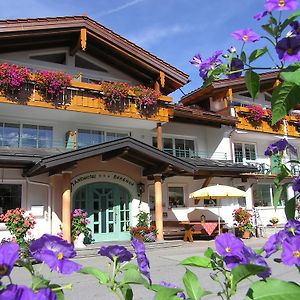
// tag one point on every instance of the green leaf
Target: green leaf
(257, 53)
(126, 291)
(291, 73)
(134, 276)
(277, 195)
(103, 277)
(192, 286)
(59, 293)
(252, 82)
(209, 252)
(242, 272)
(243, 57)
(268, 28)
(289, 209)
(284, 98)
(163, 293)
(39, 282)
(290, 19)
(273, 289)
(197, 261)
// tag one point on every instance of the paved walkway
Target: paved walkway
(164, 258)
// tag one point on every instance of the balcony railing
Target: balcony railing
(244, 124)
(196, 154)
(86, 97)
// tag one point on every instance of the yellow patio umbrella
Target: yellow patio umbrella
(218, 191)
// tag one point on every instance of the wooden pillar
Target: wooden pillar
(159, 136)
(66, 205)
(158, 206)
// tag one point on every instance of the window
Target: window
(57, 58)
(89, 137)
(176, 196)
(177, 147)
(34, 136)
(9, 134)
(244, 152)
(94, 137)
(10, 196)
(263, 195)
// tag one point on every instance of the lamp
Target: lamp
(140, 188)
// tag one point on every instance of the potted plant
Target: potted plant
(243, 221)
(19, 223)
(79, 230)
(143, 231)
(274, 221)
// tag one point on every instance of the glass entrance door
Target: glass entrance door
(108, 208)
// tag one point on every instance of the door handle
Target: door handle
(116, 215)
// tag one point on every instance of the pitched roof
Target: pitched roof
(57, 31)
(152, 160)
(266, 79)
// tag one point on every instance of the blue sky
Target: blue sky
(174, 30)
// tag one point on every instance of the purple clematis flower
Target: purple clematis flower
(260, 15)
(206, 65)
(293, 226)
(55, 252)
(288, 49)
(172, 286)
(246, 35)
(291, 251)
(116, 251)
(17, 292)
(142, 259)
(271, 5)
(9, 254)
(227, 244)
(236, 65)
(296, 184)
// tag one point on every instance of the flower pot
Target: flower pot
(78, 242)
(246, 234)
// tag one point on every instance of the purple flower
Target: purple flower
(172, 286)
(142, 259)
(206, 65)
(293, 226)
(296, 184)
(116, 251)
(295, 28)
(9, 254)
(279, 146)
(17, 292)
(274, 242)
(236, 65)
(45, 294)
(291, 251)
(246, 35)
(260, 15)
(271, 5)
(288, 49)
(55, 252)
(228, 244)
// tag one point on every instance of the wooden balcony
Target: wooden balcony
(293, 127)
(86, 97)
(244, 124)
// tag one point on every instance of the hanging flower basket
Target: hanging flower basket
(146, 100)
(115, 95)
(255, 115)
(13, 79)
(52, 85)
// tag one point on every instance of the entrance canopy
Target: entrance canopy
(152, 160)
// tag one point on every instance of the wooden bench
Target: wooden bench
(173, 229)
